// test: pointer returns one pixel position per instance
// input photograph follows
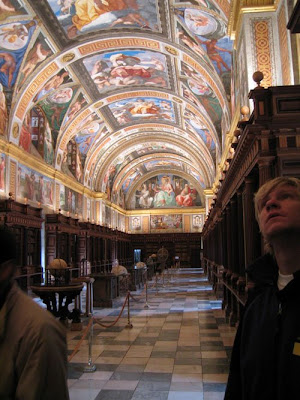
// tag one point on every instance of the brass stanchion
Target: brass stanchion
(129, 324)
(90, 367)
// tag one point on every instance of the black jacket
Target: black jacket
(265, 362)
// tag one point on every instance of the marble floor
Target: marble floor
(177, 349)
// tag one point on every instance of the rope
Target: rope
(81, 340)
(119, 316)
(99, 323)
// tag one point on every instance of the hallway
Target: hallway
(178, 349)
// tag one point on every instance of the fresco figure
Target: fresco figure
(53, 83)
(187, 197)
(25, 135)
(38, 55)
(3, 112)
(145, 200)
(88, 11)
(6, 6)
(166, 195)
(8, 66)
(2, 172)
(213, 53)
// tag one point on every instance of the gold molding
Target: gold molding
(238, 8)
(39, 165)
(167, 211)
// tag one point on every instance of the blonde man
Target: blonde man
(265, 361)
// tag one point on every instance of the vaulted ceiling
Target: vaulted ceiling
(140, 87)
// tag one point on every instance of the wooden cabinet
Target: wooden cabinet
(266, 146)
(25, 222)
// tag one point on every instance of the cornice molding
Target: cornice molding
(239, 8)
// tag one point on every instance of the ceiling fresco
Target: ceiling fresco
(120, 95)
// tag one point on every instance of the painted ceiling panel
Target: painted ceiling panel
(118, 93)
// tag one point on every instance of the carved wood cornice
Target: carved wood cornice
(13, 213)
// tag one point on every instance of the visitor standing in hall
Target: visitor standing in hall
(33, 352)
(265, 363)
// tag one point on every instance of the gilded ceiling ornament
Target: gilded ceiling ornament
(59, 159)
(171, 50)
(15, 130)
(99, 104)
(68, 57)
(177, 100)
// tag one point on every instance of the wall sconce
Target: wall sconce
(25, 200)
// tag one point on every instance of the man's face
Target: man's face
(279, 211)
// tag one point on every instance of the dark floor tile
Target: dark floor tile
(75, 370)
(115, 395)
(205, 325)
(156, 377)
(150, 395)
(211, 347)
(188, 361)
(163, 354)
(117, 342)
(188, 348)
(144, 341)
(129, 368)
(214, 387)
(126, 376)
(106, 367)
(151, 329)
(153, 386)
(215, 361)
(215, 369)
(112, 353)
(221, 321)
(189, 322)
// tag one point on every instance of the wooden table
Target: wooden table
(58, 298)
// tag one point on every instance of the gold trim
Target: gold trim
(166, 211)
(239, 8)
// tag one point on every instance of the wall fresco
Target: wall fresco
(167, 223)
(33, 186)
(70, 201)
(166, 191)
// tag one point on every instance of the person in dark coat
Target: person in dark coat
(265, 362)
(33, 351)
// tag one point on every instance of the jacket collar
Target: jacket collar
(263, 270)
